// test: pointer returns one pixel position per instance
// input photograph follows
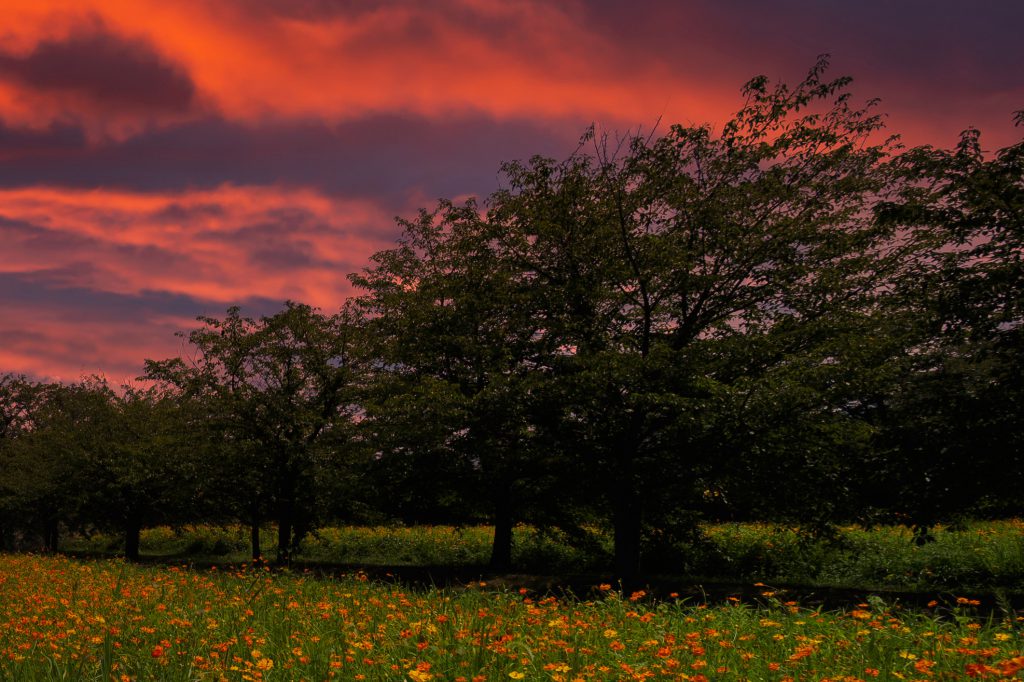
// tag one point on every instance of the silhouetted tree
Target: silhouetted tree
(661, 264)
(281, 392)
(457, 343)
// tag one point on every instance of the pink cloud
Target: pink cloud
(99, 280)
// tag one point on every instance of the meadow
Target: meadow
(67, 619)
(978, 556)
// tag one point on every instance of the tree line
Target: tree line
(789, 318)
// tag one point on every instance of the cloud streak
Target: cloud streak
(107, 276)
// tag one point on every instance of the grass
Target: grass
(62, 619)
(978, 556)
(535, 550)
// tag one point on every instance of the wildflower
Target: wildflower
(979, 670)
(1012, 666)
(516, 675)
(158, 651)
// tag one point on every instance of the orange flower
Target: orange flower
(924, 666)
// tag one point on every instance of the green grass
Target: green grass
(62, 619)
(988, 555)
(980, 555)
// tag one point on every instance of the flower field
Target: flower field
(62, 619)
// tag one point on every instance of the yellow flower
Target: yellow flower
(265, 664)
(516, 675)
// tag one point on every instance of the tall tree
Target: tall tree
(955, 412)
(24, 475)
(661, 264)
(456, 336)
(142, 469)
(281, 392)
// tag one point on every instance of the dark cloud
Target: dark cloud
(111, 70)
(387, 157)
(918, 45)
(47, 289)
(287, 256)
(57, 137)
(72, 331)
(40, 239)
(177, 213)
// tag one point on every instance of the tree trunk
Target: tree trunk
(285, 518)
(51, 535)
(627, 522)
(132, 533)
(501, 550)
(626, 515)
(254, 533)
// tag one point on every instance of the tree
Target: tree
(662, 265)
(456, 340)
(955, 410)
(280, 392)
(22, 476)
(141, 468)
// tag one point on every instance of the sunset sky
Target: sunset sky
(165, 159)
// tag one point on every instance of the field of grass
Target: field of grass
(62, 619)
(981, 555)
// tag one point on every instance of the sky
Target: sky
(162, 160)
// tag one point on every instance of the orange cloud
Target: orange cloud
(98, 280)
(505, 59)
(46, 345)
(253, 60)
(225, 245)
